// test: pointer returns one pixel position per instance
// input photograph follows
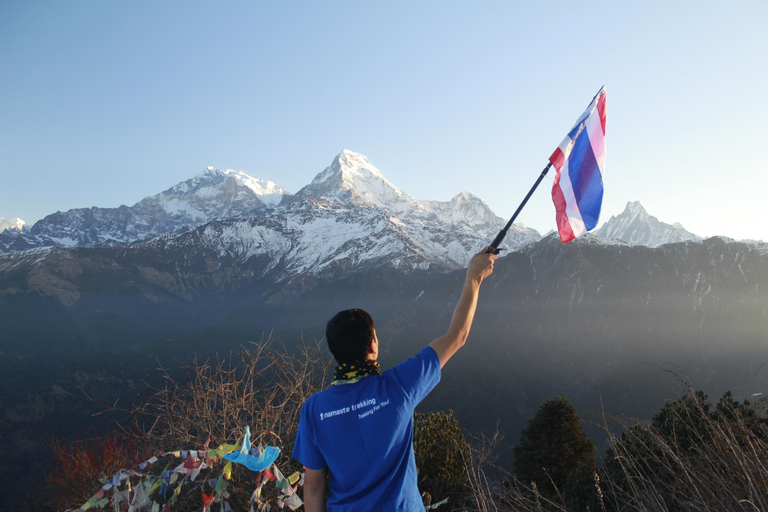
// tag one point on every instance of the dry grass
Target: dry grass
(718, 463)
(714, 459)
(499, 495)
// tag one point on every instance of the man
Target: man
(359, 431)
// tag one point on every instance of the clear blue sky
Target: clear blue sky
(104, 103)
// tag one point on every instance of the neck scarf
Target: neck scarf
(346, 373)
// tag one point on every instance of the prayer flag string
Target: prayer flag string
(132, 490)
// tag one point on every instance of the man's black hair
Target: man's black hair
(349, 334)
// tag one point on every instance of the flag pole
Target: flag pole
(500, 237)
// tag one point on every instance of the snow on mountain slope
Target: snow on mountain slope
(217, 185)
(211, 195)
(348, 219)
(349, 213)
(351, 179)
(635, 226)
(315, 237)
(469, 215)
(15, 224)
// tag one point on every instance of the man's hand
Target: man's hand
(480, 267)
(481, 264)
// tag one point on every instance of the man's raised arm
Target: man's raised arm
(480, 267)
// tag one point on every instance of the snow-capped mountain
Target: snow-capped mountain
(11, 230)
(349, 214)
(219, 192)
(635, 226)
(348, 219)
(466, 220)
(211, 195)
(15, 224)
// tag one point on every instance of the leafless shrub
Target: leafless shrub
(260, 386)
(501, 493)
(483, 450)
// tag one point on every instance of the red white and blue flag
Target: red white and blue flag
(580, 165)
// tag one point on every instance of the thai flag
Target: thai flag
(580, 164)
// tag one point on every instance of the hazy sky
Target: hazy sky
(104, 103)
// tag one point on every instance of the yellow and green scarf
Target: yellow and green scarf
(347, 373)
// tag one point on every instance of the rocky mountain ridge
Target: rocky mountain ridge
(211, 195)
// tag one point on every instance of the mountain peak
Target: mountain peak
(267, 191)
(351, 166)
(352, 179)
(465, 195)
(15, 224)
(351, 161)
(634, 208)
(635, 226)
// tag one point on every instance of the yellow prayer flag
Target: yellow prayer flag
(228, 448)
(227, 471)
(294, 478)
(155, 486)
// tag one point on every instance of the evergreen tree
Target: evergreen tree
(553, 448)
(442, 454)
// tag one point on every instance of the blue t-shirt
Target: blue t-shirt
(363, 433)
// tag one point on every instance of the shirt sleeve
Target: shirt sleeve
(419, 374)
(305, 450)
